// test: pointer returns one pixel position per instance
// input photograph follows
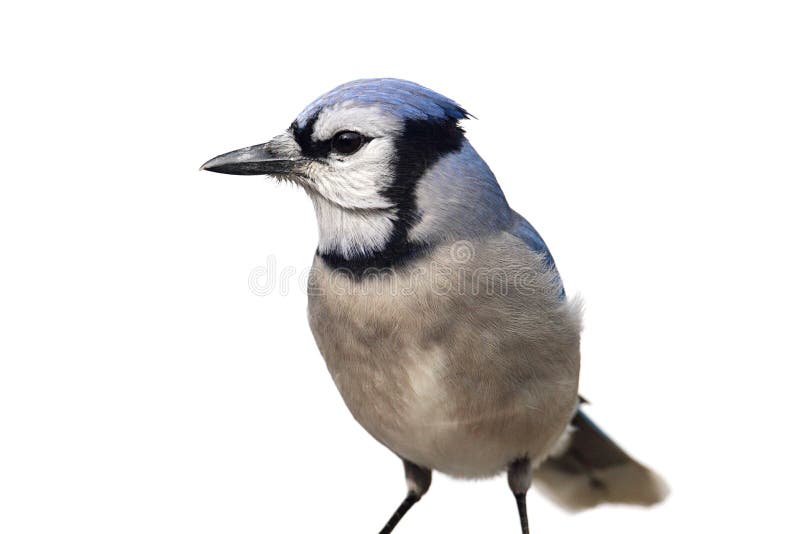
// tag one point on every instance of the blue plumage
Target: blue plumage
(404, 99)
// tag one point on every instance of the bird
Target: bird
(438, 309)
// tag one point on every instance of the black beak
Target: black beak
(257, 159)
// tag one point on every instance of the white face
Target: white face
(346, 183)
(354, 180)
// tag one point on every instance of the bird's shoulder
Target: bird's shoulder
(520, 228)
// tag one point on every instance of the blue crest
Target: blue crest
(404, 99)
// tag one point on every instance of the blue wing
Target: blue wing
(522, 229)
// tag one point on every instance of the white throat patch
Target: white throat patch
(351, 233)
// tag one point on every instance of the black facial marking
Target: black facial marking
(323, 149)
(309, 147)
(422, 143)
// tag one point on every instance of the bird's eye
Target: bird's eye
(347, 142)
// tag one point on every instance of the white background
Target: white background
(145, 388)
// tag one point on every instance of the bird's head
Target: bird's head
(361, 151)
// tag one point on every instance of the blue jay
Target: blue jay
(437, 308)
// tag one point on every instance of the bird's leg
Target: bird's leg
(522, 508)
(520, 475)
(418, 480)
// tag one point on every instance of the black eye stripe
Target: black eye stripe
(310, 148)
(323, 149)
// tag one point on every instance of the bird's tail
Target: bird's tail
(590, 469)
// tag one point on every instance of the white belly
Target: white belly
(463, 384)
